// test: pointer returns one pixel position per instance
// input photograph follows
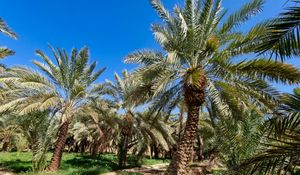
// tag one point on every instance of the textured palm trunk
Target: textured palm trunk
(5, 146)
(59, 147)
(97, 144)
(194, 97)
(123, 151)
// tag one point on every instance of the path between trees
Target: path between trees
(144, 169)
(160, 169)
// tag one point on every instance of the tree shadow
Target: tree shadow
(87, 165)
(17, 166)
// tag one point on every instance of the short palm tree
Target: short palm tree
(98, 122)
(4, 52)
(198, 63)
(39, 130)
(65, 87)
(149, 129)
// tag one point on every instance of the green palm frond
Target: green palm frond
(4, 52)
(6, 30)
(282, 36)
(242, 15)
(271, 70)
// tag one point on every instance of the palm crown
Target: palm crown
(67, 84)
(196, 44)
(198, 62)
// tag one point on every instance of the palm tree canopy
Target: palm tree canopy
(196, 43)
(68, 83)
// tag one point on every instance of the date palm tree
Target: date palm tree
(63, 88)
(119, 93)
(198, 63)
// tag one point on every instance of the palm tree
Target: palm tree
(4, 52)
(119, 92)
(99, 123)
(149, 129)
(39, 129)
(66, 86)
(138, 130)
(282, 34)
(198, 63)
(8, 131)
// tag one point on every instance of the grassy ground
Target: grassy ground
(72, 164)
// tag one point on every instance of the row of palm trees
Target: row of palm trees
(197, 70)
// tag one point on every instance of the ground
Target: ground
(74, 164)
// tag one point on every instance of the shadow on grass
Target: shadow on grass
(88, 165)
(73, 164)
(17, 166)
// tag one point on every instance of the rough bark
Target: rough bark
(194, 95)
(59, 146)
(125, 139)
(96, 146)
(123, 151)
(5, 146)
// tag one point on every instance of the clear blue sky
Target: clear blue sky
(111, 29)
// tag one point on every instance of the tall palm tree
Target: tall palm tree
(4, 52)
(65, 87)
(198, 63)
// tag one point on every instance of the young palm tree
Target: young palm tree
(66, 86)
(4, 52)
(39, 130)
(199, 64)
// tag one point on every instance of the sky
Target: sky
(110, 28)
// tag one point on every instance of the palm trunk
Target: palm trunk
(123, 151)
(5, 146)
(194, 97)
(97, 145)
(59, 146)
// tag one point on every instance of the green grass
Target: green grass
(72, 163)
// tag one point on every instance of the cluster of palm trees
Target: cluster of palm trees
(228, 111)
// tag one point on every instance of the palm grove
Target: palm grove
(229, 114)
